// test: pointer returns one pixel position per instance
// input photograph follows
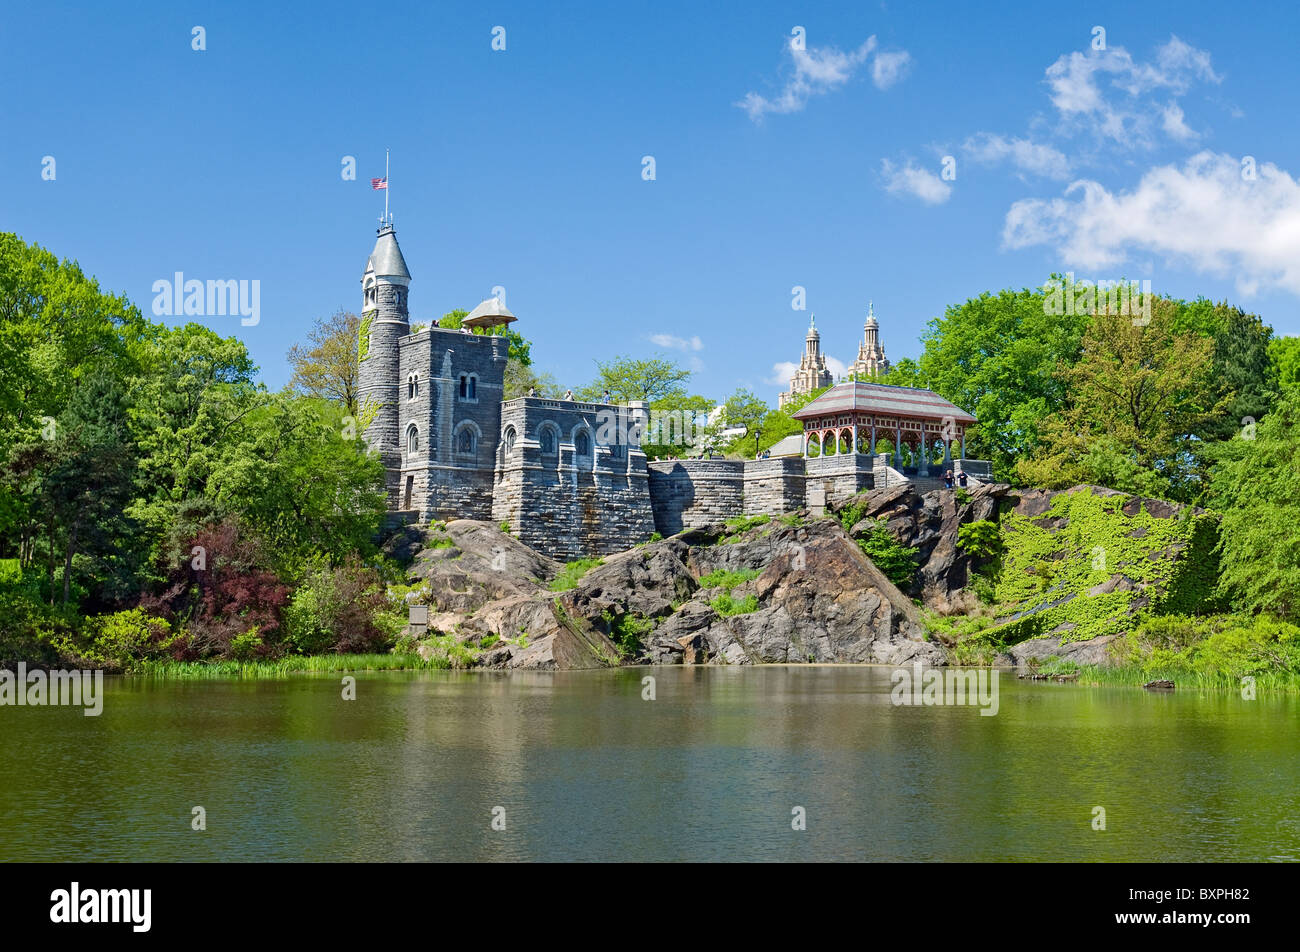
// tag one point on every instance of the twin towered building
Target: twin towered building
(570, 477)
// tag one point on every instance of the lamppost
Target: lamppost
(758, 435)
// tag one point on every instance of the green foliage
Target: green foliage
(896, 560)
(247, 646)
(996, 356)
(1047, 574)
(363, 336)
(1256, 485)
(627, 631)
(722, 578)
(1227, 646)
(740, 525)
(572, 573)
(725, 605)
(980, 540)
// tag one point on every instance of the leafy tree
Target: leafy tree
(655, 380)
(1136, 398)
(1284, 358)
(996, 356)
(302, 480)
(328, 368)
(1256, 485)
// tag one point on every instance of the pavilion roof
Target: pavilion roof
(881, 399)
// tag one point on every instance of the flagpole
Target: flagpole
(386, 221)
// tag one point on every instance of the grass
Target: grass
(721, 578)
(741, 525)
(572, 573)
(296, 664)
(1131, 675)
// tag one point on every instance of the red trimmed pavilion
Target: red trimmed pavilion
(850, 417)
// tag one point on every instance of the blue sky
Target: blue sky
(774, 167)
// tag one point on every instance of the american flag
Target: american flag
(378, 183)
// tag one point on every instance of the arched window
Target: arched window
(465, 443)
(582, 444)
(510, 440)
(548, 440)
(412, 440)
(469, 386)
(412, 386)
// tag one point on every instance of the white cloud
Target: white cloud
(915, 181)
(820, 70)
(1027, 156)
(1175, 127)
(676, 343)
(781, 373)
(783, 370)
(1121, 108)
(889, 68)
(1205, 214)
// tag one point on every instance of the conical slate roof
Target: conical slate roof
(489, 313)
(386, 260)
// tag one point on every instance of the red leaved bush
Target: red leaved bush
(224, 590)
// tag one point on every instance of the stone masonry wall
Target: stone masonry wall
(695, 492)
(560, 500)
(831, 478)
(774, 486)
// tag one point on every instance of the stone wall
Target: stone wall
(774, 486)
(445, 481)
(834, 478)
(695, 492)
(571, 479)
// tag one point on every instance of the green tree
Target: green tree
(996, 356)
(1136, 399)
(1256, 486)
(328, 368)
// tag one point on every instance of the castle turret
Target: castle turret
(384, 322)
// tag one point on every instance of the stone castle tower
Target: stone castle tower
(871, 361)
(812, 373)
(384, 323)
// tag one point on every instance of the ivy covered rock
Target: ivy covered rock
(1088, 564)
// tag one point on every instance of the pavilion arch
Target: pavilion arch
(814, 445)
(845, 441)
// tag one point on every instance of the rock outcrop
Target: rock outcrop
(812, 597)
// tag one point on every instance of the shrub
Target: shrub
(340, 609)
(128, 636)
(981, 540)
(896, 560)
(247, 646)
(725, 605)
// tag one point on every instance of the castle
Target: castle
(569, 477)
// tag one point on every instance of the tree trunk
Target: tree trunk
(67, 563)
